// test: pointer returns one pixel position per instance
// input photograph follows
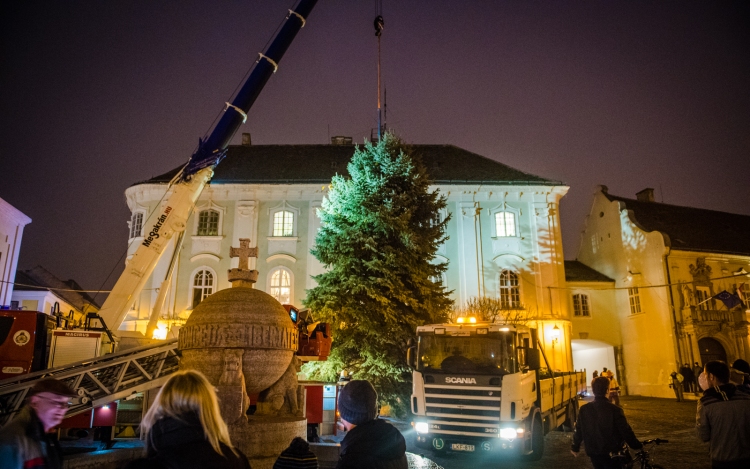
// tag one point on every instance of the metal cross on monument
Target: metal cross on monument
(243, 276)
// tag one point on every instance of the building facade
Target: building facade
(504, 233)
(596, 339)
(667, 262)
(12, 223)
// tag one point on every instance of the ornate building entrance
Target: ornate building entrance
(711, 349)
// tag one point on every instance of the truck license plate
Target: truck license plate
(461, 447)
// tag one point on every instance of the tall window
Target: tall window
(283, 223)
(635, 300)
(505, 224)
(510, 294)
(203, 285)
(136, 224)
(702, 294)
(208, 223)
(581, 305)
(281, 286)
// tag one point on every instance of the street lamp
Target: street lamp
(555, 334)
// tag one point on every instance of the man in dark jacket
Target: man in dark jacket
(371, 443)
(603, 428)
(27, 442)
(723, 418)
(689, 378)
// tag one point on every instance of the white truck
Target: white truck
(480, 388)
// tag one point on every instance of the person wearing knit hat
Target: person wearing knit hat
(28, 440)
(370, 442)
(297, 456)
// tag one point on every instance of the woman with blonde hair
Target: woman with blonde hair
(184, 428)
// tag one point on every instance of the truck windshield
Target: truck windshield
(481, 354)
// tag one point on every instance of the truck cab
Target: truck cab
(480, 387)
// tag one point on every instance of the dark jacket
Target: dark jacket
(687, 373)
(603, 428)
(23, 444)
(178, 444)
(723, 418)
(373, 445)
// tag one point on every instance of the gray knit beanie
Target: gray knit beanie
(358, 402)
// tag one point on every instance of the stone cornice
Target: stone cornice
(145, 193)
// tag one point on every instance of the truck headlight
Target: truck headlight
(508, 433)
(421, 427)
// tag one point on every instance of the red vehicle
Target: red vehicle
(24, 341)
(314, 336)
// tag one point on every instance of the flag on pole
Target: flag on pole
(730, 300)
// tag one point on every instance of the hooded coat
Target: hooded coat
(181, 443)
(723, 418)
(373, 445)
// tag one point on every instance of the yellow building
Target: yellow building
(666, 263)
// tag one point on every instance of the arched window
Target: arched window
(203, 285)
(505, 224)
(581, 305)
(280, 286)
(136, 224)
(208, 223)
(510, 293)
(283, 223)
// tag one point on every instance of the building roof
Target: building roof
(317, 164)
(576, 271)
(692, 229)
(40, 279)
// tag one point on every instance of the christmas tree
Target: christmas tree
(380, 230)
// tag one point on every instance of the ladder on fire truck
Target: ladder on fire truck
(98, 381)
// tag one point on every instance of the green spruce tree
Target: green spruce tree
(379, 234)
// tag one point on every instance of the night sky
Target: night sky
(98, 95)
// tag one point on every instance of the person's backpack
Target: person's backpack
(680, 378)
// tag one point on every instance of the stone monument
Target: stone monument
(243, 340)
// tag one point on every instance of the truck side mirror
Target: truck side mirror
(411, 357)
(533, 358)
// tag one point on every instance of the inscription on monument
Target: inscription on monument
(244, 335)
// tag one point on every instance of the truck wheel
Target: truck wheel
(571, 417)
(537, 441)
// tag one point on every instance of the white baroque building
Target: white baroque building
(504, 235)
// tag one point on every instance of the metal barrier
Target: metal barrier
(100, 380)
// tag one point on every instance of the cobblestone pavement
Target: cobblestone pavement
(649, 417)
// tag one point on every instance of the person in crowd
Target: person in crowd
(688, 382)
(184, 428)
(28, 441)
(741, 369)
(297, 456)
(614, 389)
(675, 382)
(723, 419)
(594, 375)
(370, 442)
(697, 370)
(602, 428)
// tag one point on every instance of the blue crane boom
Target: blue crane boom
(171, 216)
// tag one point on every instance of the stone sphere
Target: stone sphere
(244, 319)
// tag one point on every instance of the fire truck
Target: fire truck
(481, 388)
